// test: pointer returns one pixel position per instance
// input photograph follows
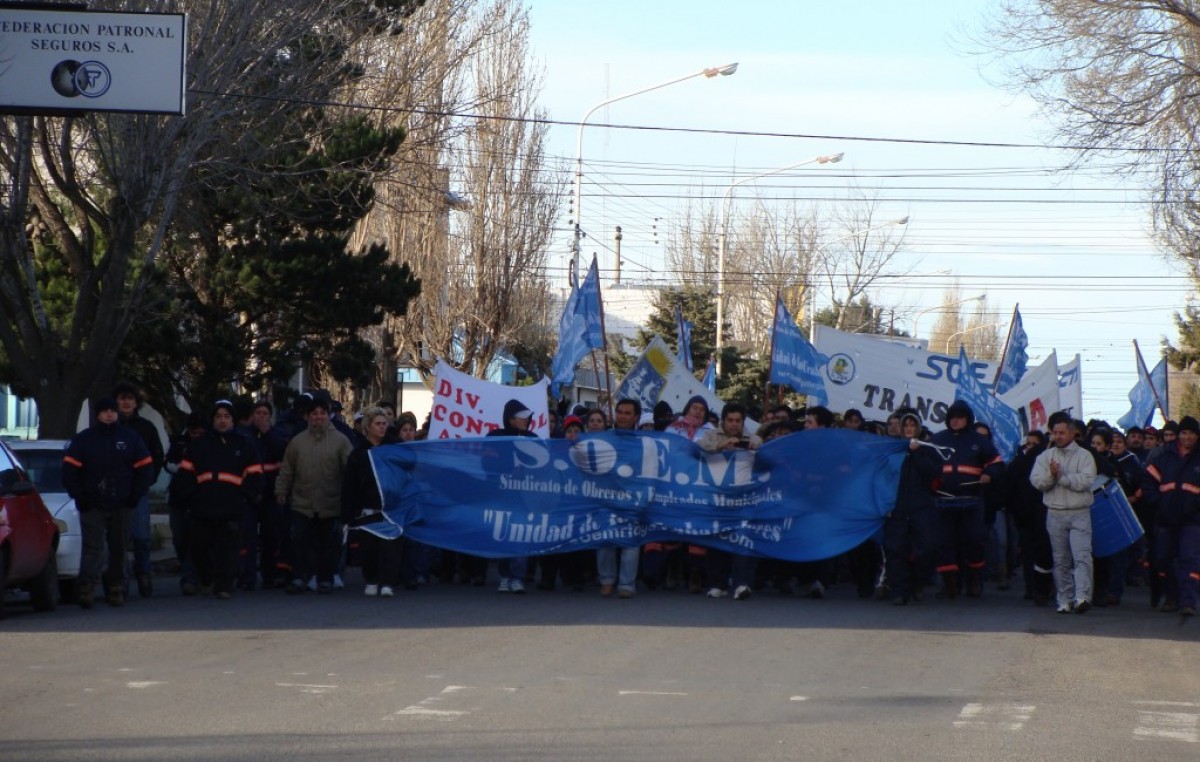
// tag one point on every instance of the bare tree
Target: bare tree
(949, 324)
(1118, 75)
(863, 250)
(91, 198)
(479, 250)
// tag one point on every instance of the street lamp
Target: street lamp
(725, 204)
(968, 330)
(941, 307)
(812, 297)
(708, 73)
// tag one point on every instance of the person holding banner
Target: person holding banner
(1064, 474)
(910, 532)
(692, 426)
(722, 567)
(516, 424)
(618, 566)
(383, 560)
(1173, 481)
(973, 464)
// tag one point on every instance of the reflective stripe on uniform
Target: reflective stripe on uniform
(72, 461)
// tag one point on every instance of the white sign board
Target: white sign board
(92, 61)
(465, 406)
(878, 376)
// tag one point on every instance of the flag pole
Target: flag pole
(604, 337)
(1142, 369)
(771, 355)
(1008, 340)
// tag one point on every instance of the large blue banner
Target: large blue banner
(802, 497)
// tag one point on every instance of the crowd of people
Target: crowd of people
(259, 500)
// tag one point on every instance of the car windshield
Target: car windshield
(45, 469)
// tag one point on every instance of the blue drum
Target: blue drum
(1114, 524)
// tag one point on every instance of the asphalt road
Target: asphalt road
(462, 673)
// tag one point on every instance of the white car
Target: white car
(43, 460)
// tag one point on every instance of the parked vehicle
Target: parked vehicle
(28, 537)
(42, 460)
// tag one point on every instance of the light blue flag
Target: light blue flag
(710, 376)
(794, 361)
(683, 332)
(1141, 397)
(1004, 421)
(513, 496)
(1016, 355)
(579, 330)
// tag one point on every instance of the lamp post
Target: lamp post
(812, 297)
(965, 332)
(725, 204)
(941, 307)
(708, 73)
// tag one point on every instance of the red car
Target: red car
(28, 537)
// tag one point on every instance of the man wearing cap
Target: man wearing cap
(1064, 474)
(973, 463)
(107, 469)
(1173, 484)
(220, 482)
(516, 424)
(310, 476)
(129, 401)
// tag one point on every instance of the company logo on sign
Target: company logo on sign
(840, 369)
(91, 79)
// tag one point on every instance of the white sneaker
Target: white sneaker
(742, 593)
(337, 582)
(371, 590)
(516, 586)
(386, 591)
(504, 585)
(1064, 608)
(312, 583)
(716, 592)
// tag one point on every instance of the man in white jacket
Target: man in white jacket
(1064, 474)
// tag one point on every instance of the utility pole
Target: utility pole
(617, 255)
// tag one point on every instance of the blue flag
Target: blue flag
(710, 376)
(1004, 422)
(1016, 355)
(803, 497)
(794, 361)
(579, 330)
(683, 332)
(1141, 397)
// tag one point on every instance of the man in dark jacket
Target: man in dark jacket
(262, 529)
(516, 424)
(1173, 482)
(973, 464)
(129, 401)
(106, 471)
(220, 479)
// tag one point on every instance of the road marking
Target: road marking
(307, 688)
(1166, 703)
(423, 708)
(144, 683)
(1176, 726)
(650, 693)
(799, 698)
(1006, 716)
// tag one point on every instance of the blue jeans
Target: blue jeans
(607, 568)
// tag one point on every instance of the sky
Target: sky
(883, 82)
